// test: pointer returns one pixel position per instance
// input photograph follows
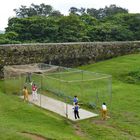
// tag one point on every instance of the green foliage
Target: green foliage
(125, 100)
(133, 77)
(40, 23)
(130, 79)
(55, 13)
(9, 38)
(7, 41)
(77, 11)
(34, 29)
(71, 29)
(106, 12)
(35, 10)
(11, 35)
(110, 32)
(17, 117)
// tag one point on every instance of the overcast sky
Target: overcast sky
(7, 6)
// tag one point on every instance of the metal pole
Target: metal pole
(66, 107)
(110, 92)
(41, 89)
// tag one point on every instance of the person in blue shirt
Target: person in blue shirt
(76, 111)
(75, 100)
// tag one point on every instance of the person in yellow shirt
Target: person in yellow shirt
(26, 94)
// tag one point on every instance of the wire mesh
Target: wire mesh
(60, 83)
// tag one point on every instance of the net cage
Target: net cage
(60, 83)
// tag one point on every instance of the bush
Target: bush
(130, 80)
(7, 41)
(132, 77)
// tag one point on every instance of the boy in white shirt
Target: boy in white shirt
(104, 111)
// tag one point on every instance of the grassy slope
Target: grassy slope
(125, 121)
(16, 116)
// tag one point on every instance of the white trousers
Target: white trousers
(34, 95)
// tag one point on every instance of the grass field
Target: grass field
(17, 117)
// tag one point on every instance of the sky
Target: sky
(7, 6)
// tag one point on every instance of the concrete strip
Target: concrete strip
(59, 107)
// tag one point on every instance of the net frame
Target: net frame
(45, 71)
(99, 76)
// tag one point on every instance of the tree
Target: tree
(76, 11)
(11, 35)
(129, 21)
(82, 11)
(110, 32)
(34, 29)
(73, 10)
(45, 10)
(71, 29)
(88, 20)
(22, 11)
(35, 10)
(56, 13)
(93, 12)
(9, 38)
(106, 12)
(113, 10)
(105, 24)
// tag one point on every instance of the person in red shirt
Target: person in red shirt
(34, 92)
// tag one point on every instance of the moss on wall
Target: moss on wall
(65, 54)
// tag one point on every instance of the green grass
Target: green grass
(17, 116)
(124, 124)
(126, 97)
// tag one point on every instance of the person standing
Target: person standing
(76, 111)
(28, 77)
(25, 94)
(75, 100)
(34, 92)
(104, 111)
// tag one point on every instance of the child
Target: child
(75, 100)
(104, 111)
(25, 93)
(34, 92)
(76, 111)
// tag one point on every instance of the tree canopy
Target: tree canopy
(42, 23)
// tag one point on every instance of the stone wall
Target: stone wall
(64, 54)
